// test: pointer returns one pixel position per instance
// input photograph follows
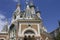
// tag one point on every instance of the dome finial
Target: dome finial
(31, 2)
(27, 2)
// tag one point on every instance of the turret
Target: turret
(32, 6)
(38, 13)
(28, 12)
(16, 14)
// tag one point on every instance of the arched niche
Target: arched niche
(29, 30)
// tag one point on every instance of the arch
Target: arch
(29, 29)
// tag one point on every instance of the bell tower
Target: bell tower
(26, 23)
(31, 24)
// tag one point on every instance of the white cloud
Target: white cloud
(2, 16)
(2, 21)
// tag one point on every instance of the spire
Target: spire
(38, 12)
(17, 11)
(28, 14)
(18, 8)
(31, 4)
(27, 2)
(18, 5)
(32, 7)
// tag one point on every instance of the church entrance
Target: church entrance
(29, 37)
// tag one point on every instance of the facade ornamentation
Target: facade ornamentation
(26, 25)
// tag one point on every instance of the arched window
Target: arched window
(29, 32)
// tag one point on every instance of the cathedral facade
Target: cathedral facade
(26, 25)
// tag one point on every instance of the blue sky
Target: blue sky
(50, 11)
